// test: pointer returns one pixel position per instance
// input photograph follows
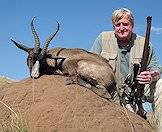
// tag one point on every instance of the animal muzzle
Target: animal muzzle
(35, 70)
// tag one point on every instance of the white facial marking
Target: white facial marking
(35, 70)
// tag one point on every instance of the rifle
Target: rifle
(138, 89)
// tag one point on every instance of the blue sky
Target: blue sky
(81, 21)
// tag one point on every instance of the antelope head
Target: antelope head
(36, 55)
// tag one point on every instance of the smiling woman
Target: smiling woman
(123, 48)
(123, 23)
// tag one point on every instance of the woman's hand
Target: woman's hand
(147, 77)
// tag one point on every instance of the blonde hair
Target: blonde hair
(118, 14)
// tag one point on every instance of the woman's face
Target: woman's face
(123, 29)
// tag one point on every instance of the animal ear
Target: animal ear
(58, 60)
(21, 46)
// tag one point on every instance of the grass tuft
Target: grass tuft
(14, 122)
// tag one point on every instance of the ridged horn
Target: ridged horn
(36, 38)
(21, 46)
(48, 40)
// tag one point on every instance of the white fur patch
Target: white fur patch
(35, 70)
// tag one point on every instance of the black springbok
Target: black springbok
(78, 65)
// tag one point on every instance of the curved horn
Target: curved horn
(49, 40)
(21, 46)
(36, 38)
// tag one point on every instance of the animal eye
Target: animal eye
(30, 58)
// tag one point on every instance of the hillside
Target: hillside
(5, 80)
(48, 105)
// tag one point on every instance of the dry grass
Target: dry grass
(5, 80)
(15, 122)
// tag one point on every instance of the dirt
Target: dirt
(48, 105)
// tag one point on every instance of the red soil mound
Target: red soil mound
(48, 105)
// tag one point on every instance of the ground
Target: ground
(48, 105)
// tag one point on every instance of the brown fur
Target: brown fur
(85, 68)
